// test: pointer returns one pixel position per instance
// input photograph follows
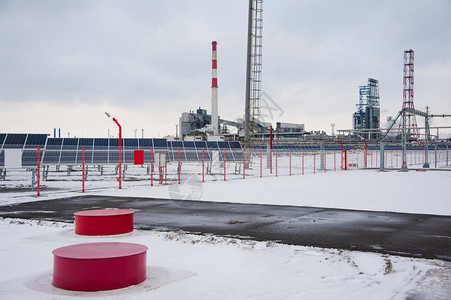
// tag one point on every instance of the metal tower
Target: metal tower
(408, 123)
(254, 70)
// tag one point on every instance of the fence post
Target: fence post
(83, 169)
(39, 170)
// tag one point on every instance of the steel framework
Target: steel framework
(254, 70)
(408, 123)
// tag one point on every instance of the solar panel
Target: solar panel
(188, 144)
(191, 155)
(234, 145)
(128, 157)
(212, 145)
(51, 157)
(33, 140)
(100, 157)
(30, 157)
(68, 157)
(15, 141)
(87, 142)
(145, 143)
(114, 143)
(130, 144)
(54, 143)
(113, 157)
(101, 144)
(160, 143)
(88, 157)
(200, 145)
(2, 138)
(223, 145)
(176, 145)
(70, 143)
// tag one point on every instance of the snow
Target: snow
(183, 266)
(189, 266)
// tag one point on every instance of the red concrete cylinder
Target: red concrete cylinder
(99, 266)
(104, 221)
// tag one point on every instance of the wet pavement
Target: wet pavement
(415, 235)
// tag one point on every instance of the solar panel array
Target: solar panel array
(69, 151)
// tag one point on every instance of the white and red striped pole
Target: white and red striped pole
(214, 90)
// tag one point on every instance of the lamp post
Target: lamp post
(120, 148)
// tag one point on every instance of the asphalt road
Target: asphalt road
(415, 235)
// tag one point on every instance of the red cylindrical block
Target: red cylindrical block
(104, 221)
(99, 266)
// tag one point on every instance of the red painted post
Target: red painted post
(178, 169)
(151, 166)
(39, 170)
(302, 161)
(203, 163)
(224, 164)
(314, 161)
(276, 162)
(120, 151)
(244, 163)
(290, 162)
(261, 160)
(83, 169)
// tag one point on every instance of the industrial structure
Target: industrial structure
(253, 71)
(214, 90)
(408, 121)
(367, 116)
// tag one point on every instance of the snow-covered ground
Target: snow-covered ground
(203, 267)
(182, 266)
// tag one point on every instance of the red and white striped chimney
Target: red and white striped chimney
(214, 90)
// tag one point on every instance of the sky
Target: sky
(64, 63)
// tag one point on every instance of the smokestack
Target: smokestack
(214, 90)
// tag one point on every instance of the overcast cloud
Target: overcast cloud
(63, 63)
